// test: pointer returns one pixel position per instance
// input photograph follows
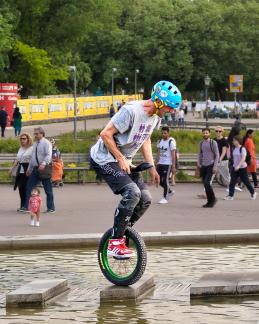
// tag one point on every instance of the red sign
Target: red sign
(8, 98)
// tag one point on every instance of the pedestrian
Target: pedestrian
(193, 106)
(166, 162)
(207, 162)
(17, 121)
(112, 111)
(35, 203)
(40, 168)
(181, 118)
(185, 106)
(3, 120)
(223, 167)
(57, 165)
(248, 143)
(22, 161)
(239, 169)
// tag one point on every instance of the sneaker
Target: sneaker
(254, 196)
(163, 201)
(228, 198)
(170, 194)
(208, 205)
(118, 249)
(238, 189)
(24, 210)
(49, 211)
(37, 224)
(32, 223)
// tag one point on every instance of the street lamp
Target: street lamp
(73, 69)
(113, 71)
(136, 81)
(207, 84)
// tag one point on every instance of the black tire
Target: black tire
(137, 264)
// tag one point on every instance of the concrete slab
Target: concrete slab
(36, 292)
(222, 284)
(144, 285)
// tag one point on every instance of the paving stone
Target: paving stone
(135, 291)
(222, 284)
(36, 292)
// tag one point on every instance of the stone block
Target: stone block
(145, 284)
(222, 284)
(36, 292)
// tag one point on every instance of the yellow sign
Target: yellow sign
(236, 83)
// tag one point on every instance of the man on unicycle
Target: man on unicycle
(128, 131)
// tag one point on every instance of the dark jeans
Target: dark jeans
(242, 174)
(22, 184)
(135, 196)
(3, 127)
(164, 172)
(254, 177)
(206, 174)
(33, 180)
(17, 131)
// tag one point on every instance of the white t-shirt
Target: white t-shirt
(237, 156)
(24, 156)
(181, 114)
(134, 128)
(165, 150)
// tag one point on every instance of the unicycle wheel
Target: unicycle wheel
(123, 272)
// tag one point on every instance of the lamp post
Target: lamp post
(73, 68)
(207, 84)
(113, 71)
(136, 81)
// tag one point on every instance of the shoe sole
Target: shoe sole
(119, 257)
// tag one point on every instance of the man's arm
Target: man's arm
(173, 160)
(148, 156)
(107, 136)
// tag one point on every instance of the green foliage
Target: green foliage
(180, 40)
(187, 141)
(35, 70)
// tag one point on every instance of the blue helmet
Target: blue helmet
(168, 93)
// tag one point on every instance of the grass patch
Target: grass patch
(187, 141)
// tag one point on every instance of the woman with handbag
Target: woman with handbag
(20, 167)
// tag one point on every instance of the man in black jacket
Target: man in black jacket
(3, 120)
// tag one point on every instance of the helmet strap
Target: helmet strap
(158, 106)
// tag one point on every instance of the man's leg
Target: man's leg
(130, 198)
(207, 185)
(144, 202)
(49, 193)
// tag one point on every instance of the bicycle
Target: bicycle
(126, 271)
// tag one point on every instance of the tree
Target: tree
(33, 69)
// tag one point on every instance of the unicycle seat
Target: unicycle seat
(141, 167)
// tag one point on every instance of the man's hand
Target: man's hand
(155, 178)
(173, 170)
(214, 171)
(237, 168)
(124, 164)
(41, 167)
(28, 173)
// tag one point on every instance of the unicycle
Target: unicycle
(127, 271)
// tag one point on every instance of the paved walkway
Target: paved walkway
(65, 127)
(89, 209)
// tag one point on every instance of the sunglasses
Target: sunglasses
(23, 139)
(218, 131)
(36, 134)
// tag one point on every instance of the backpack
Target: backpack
(248, 155)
